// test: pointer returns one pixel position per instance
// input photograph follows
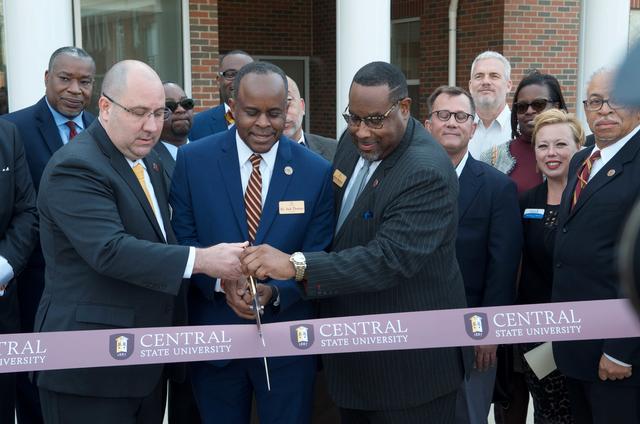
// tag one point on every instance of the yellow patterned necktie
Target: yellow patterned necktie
(139, 171)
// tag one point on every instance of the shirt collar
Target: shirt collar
(133, 163)
(60, 119)
(611, 150)
(503, 120)
(244, 153)
(302, 140)
(462, 163)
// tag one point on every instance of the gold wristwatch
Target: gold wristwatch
(299, 263)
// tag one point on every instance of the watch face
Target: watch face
(298, 257)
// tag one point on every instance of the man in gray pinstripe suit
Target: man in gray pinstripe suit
(394, 251)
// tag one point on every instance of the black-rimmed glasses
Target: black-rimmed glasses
(141, 112)
(538, 105)
(445, 115)
(375, 121)
(594, 104)
(186, 103)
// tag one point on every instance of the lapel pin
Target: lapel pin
(155, 167)
(611, 173)
(288, 170)
(375, 183)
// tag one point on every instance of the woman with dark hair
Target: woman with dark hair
(536, 93)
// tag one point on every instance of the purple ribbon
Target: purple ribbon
(601, 319)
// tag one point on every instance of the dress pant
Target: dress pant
(63, 408)
(474, 397)
(603, 402)
(224, 394)
(439, 411)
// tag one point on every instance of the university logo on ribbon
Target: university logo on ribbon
(477, 325)
(121, 345)
(302, 335)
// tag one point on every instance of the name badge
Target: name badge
(533, 213)
(291, 207)
(339, 178)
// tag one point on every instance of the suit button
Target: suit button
(564, 230)
(559, 265)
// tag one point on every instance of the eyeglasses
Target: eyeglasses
(538, 105)
(445, 115)
(172, 105)
(375, 122)
(229, 74)
(142, 112)
(594, 104)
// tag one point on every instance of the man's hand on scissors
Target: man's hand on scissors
(235, 291)
(265, 261)
(265, 292)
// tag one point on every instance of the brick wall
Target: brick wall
(203, 20)
(323, 69)
(544, 35)
(541, 34)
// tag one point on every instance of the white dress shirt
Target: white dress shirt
(498, 132)
(188, 269)
(609, 152)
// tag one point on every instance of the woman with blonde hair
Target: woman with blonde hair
(556, 136)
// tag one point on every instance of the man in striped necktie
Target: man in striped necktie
(253, 183)
(603, 185)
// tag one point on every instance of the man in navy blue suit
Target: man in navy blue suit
(44, 128)
(220, 118)
(253, 184)
(602, 187)
(489, 237)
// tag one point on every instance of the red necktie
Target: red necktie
(583, 176)
(72, 129)
(253, 197)
(228, 116)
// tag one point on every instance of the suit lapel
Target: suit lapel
(47, 126)
(374, 180)
(277, 188)
(122, 167)
(470, 185)
(168, 162)
(157, 181)
(230, 172)
(612, 170)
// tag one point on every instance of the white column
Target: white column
(363, 35)
(33, 30)
(604, 41)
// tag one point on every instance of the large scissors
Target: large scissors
(258, 311)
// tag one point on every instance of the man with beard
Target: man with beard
(220, 118)
(175, 131)
(393, 251)
(489, 85)
(293, 125)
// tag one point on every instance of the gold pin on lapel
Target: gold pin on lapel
(288, 170)
(611, 173)
(339, 178)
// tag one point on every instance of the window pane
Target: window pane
(147, 30)
(405, 47)
(4, 100)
